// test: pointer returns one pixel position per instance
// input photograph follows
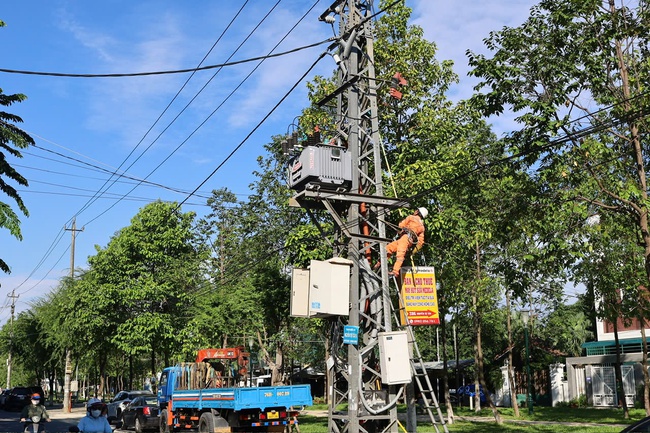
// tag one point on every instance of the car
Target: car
(141, 414)
(119, 402)
(453, 396)
(641, 426)
(464, 393)
(3, 397)
(20, 396)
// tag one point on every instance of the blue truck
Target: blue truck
(212, 395)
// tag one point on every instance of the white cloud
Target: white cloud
(456, 27)
(276, 76)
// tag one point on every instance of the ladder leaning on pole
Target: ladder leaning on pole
(419, 371)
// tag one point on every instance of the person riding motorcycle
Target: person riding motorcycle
(94, 421)
(34, 412)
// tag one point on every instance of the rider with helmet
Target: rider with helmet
(94, 421)
(35, 410)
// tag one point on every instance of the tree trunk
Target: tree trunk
(103, 360)
(130, 371)
(276, 373)
(445, 375)
(50, 393)
(153, 362)
(637, 148)
(511, 378)
(620, 390)
(480, 376)
(644, 368)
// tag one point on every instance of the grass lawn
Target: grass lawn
(314, 424)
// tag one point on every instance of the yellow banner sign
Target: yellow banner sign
(419, 296)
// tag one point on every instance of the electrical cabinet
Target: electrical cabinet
(329, 287)
(394, 357)
(322, 290)
(300, 293)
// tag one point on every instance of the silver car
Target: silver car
(119, 402)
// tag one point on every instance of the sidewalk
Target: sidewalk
(425, 418)
(56, 411)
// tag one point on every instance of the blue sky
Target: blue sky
(85, 128)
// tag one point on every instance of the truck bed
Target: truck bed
(262, 397)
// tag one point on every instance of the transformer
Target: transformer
(321, 167)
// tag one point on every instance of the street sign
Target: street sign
(350, 334)
(419, 296)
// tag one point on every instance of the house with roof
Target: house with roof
(594, 376)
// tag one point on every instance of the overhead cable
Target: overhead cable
(176, 71)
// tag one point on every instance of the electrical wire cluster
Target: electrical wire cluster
(117, 174)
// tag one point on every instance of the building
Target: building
(594, 376)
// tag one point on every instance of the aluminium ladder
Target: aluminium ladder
(421, 377)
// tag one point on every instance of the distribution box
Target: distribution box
(394, 357)
(322, 290)
(300, 293)
(329, 287)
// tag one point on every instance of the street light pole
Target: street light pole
(250, 360)
(529, 396)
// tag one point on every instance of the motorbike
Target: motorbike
(34, 425)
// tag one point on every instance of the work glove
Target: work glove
(417, 248)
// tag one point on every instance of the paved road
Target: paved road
(61, 421)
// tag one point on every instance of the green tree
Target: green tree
(143, 284)
(574, 73)
(428, 142)
(12, 139)
(250, 258)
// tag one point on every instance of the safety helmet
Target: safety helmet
(94, 402)
(36, 396)
(423, 212)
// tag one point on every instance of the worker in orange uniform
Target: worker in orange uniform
(412, 232)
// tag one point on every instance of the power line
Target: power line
(221, 104)
(270, 55)
(99, 192)
(103, 170)
(108, 196)
(203, 194)
(176, 71)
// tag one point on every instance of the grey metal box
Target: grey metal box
(329, 287)
(300, 293)
(321, 167)
(394, 357)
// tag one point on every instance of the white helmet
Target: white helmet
(423, 212)
(92, 401)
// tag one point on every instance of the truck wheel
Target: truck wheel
(209, 423)
(206, 423)
(164, 427)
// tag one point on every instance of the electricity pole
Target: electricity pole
(13, 297)
(67, 396)
(354, 370)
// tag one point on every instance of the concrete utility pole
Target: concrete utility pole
(13, 297)
(67, 396)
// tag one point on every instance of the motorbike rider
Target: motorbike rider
(94, 421)
(35, 410)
